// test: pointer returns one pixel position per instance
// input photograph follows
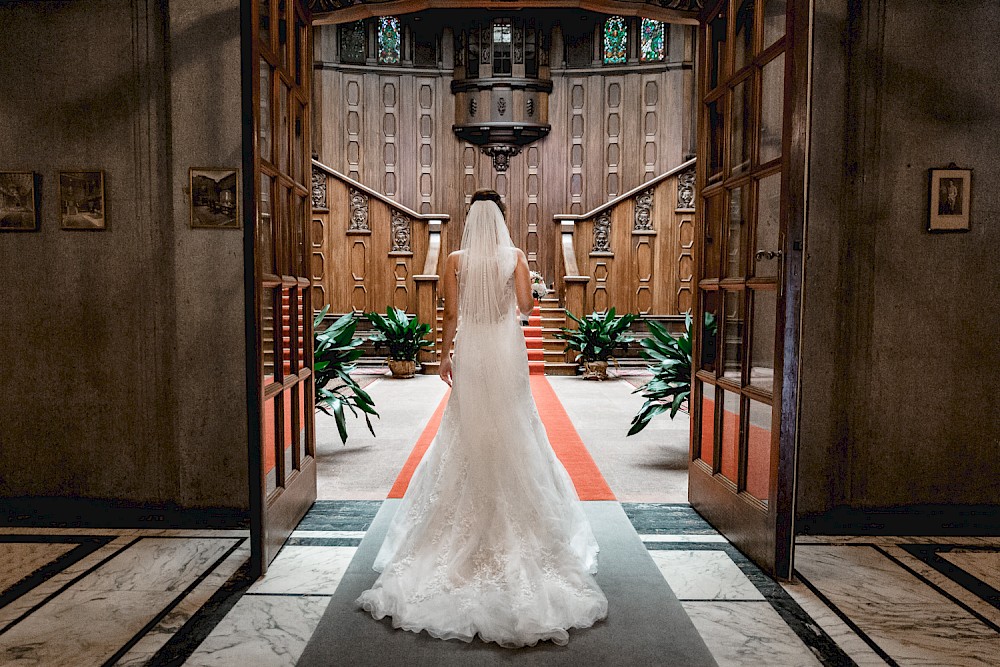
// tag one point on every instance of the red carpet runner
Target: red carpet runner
(588, 480)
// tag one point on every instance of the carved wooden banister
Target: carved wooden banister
(634, 252)
(370, 251)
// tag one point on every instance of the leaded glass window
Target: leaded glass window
(652, 41)
(389, 40)
(501, 47)
(352, 43)
(615, 40)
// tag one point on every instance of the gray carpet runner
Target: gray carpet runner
(646, 624)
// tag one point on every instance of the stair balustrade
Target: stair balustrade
(370, 252)
(634, 253)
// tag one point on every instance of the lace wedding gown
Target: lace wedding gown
(490, 538)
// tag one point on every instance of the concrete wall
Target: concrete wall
(121, 351)
(900, 330)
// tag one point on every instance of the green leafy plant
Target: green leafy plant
(597, 335)
(336, 350)
(670, 386)
(404, 335)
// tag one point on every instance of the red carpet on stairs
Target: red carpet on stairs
(534, 341)
(569, 448)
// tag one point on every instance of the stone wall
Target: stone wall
(122, 351)
(900, 328)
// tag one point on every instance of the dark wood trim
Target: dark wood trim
(253, 351)
(795, 148)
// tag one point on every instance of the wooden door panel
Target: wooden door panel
(741, 475)
(283, 262)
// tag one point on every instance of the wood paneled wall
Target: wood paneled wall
(613, 128)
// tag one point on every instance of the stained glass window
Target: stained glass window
(652, 40)
(388, 40)
(615, 40)
(352, 42)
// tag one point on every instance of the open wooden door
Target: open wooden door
(281, 70)
(753, 83)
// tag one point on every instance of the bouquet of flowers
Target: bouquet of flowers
(538, 288)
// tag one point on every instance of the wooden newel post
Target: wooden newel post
(427, 289)
(574, 284)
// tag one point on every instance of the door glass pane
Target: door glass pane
(300, 48)
(287, 431)
(264, 22)
(283, 127)
(264, 141)
(715, 209)
(267, 296)
(716, 49)
(265, 226)
(743, 48)
(739, 201)
(281, 245)
(706, 446)
(766, 245)
(774, 21)
(709, 330)
(298, 135)
(304, 415)
(729, 459)
(269, 442)
(283, 32)
(772, 99)
(759, 450)
(732, 346)
(762, 340)
(715, 141)
(739, 146)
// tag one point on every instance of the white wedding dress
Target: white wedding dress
(490, 538)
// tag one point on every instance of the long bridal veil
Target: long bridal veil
(490, 538)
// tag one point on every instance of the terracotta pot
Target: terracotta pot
(595, 370)
(402, 369)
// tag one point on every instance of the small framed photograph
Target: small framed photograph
(951, 195)
(215, 198)
(81, 200)
(18, 201)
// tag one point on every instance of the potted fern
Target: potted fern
(404, 336)
(595, 339)
(670, 387)
(334, 353)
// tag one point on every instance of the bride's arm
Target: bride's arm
(450, 323)
(522, 284)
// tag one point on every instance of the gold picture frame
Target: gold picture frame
(81, 200)
(950, 200)
(214, 196)
(19, 201)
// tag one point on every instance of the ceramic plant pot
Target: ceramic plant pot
(402, 369)
(595, 370)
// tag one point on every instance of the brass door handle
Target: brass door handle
(767, 254)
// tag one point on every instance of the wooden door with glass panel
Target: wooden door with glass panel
(282, 56)
(739, 477)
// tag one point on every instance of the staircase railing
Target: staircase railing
(370, 252)
(635, 253)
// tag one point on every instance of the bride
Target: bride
(490, 538)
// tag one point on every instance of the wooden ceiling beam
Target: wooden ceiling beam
(345, 11)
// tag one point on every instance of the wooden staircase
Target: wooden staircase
(546, 353)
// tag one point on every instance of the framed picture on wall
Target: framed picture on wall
(215, 198)
(951, 195)
(81, 200)
(18, 201)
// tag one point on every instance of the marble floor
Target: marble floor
(182, 597)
